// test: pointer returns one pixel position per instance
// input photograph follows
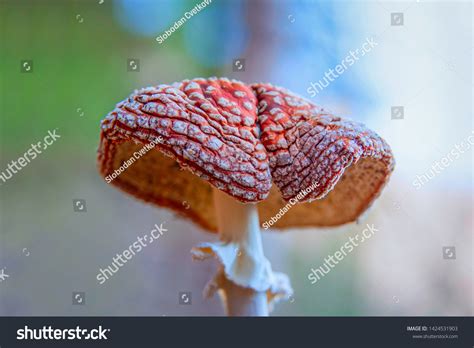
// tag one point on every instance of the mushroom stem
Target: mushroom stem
(244, 302)
(238, 225)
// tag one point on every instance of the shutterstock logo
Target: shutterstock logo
(48, 333)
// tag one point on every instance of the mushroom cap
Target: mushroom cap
(209, 133)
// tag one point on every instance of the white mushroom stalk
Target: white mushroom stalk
(245, 280)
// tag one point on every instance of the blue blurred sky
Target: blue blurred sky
(309, 38)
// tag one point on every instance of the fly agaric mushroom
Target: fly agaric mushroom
(234, 141)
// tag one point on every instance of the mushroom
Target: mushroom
(229, 156)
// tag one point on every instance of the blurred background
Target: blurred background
(82, 57)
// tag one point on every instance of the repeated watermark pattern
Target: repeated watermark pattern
(449, 253)
(398, 112)
(238, 65)
(438, 166)
(80, 112)
(303, 193)
(120, 259)
(397, 19)
(26, 66)
(136, 156)
(79, 298)
(349, 60)
(185, 298)
(79, 205)
(35, 149)
(348, 247)
(187, 15)
(133, 65)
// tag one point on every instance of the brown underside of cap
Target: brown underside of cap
(158, 179)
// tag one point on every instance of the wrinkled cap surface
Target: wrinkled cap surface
(259, 143)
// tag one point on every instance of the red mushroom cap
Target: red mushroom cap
(211, 127)
(208, 126)
(307, 145)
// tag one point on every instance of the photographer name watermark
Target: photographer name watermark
(187, 15)
(136, 156)
(302, 194)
